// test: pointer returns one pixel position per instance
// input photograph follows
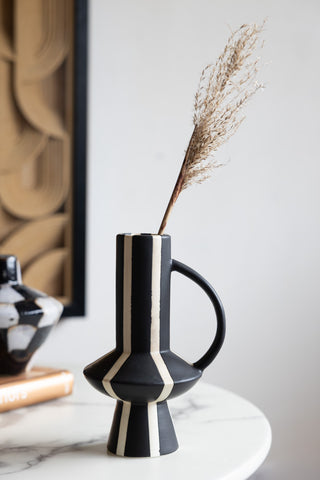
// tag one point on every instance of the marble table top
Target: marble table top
(221, 437)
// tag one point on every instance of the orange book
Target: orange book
(37, 385)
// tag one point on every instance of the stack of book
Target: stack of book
(35, 386)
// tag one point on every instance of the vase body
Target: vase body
(142, 373)
(26, 318)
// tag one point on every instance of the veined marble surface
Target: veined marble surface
(221, 437)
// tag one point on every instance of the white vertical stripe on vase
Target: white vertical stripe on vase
(127, 292)
(126, 317)
(155, 320)
(123, 429)
(106, 381)
(154, 441)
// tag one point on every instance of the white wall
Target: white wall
(252, 230)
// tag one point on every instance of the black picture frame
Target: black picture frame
(77, 306)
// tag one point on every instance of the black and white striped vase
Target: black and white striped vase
(141, 373)
(26, 318)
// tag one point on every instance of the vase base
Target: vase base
(142, 430)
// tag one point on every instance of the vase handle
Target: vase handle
(213, 351)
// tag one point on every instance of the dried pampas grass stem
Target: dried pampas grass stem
(224, 88)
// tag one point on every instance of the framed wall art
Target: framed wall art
(43, 72)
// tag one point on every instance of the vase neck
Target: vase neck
(143, 292)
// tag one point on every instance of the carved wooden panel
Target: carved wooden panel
(37, 56)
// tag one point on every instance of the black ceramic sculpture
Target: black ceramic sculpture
(26, 318)
(141, 373)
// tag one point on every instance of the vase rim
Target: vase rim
(165, 235)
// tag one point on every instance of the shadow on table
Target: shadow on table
(95, 449)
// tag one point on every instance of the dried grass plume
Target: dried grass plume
(224, 89)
